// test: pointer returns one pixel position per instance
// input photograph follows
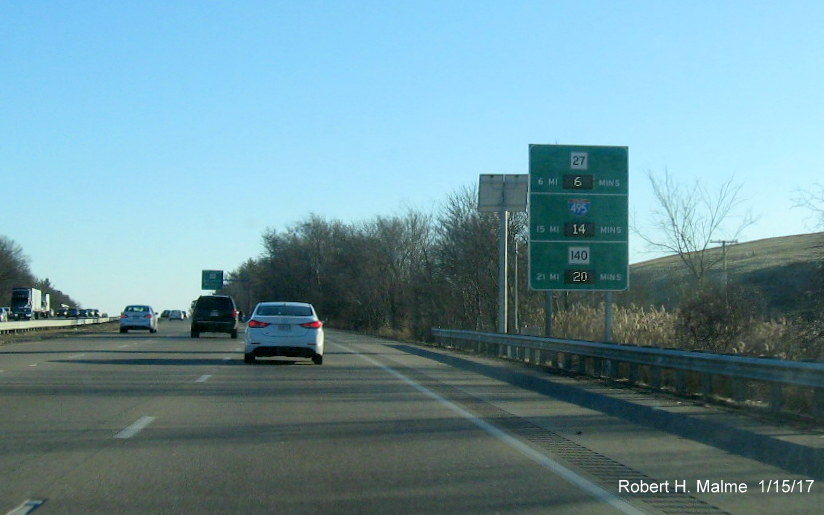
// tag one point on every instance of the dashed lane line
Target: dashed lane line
(27, 507)
(135, 428)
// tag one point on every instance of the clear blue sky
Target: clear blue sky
(144, 141)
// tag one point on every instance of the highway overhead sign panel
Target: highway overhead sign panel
(578, 217)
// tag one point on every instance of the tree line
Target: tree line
(404, 274)
(15, 272)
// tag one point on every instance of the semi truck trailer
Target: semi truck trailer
(30, 304)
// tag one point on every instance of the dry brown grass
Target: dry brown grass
(649, 326)
(636, 324)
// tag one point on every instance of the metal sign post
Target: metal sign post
(502, 194)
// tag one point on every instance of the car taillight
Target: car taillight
(317, 324)
(257, 323)
(147, 316)
(124, 315)
(235, 313)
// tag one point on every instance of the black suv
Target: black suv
(214, 314)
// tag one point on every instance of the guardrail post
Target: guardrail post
(597, 367)
(632, 378)
(776, 397)
(582, 365)
(568, 361)
(739, 390)
(706, 386)
(680, 381)
(611, 369)
(655, 378)
(818, 403)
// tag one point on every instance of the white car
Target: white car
(175, 314)
(138, 316)
(290, 329)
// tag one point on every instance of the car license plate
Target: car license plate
(214, 313)
(284, 327)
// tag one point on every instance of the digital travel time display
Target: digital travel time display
(579, 229)
(579, 276)
(578, 182)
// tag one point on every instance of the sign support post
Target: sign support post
(503, 304)
(502, 194)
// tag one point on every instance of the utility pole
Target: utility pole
(724, 244)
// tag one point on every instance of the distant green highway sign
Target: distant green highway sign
(578, 217)
(211, 280)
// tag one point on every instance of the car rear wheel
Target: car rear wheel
(317, 359)
(233, 334)
(124, 330)
(195, 334)
(248, 358)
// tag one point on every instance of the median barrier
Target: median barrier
(39, 325)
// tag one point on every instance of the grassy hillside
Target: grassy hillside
(783, 270)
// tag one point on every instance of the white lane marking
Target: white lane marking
(227, 358)
(123, 346)
(33, 365)
(546, 462)
(27, 507)
(203, 378)
(76, 356)
(135, 428)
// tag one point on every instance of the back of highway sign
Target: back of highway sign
(578, 217)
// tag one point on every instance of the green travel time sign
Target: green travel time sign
(578, 217)
(211, 280)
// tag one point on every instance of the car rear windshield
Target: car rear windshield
(139, 309)
(290, 311)
(210, 303)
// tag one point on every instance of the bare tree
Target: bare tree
(14, 267)
(688, 219)
(812, 199)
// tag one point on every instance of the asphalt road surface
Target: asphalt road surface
(161, 423)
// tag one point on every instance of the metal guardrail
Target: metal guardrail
(37, 325)
(687, 372)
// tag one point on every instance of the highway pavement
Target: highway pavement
(162, 423)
